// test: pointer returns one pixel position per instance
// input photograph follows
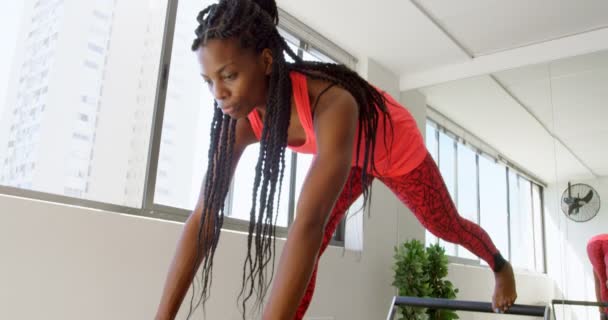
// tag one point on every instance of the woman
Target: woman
(356, 132)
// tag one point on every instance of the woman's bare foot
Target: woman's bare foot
(504, 290)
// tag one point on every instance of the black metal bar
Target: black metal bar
(392, 310)
(449, 304)
(576, 303)
(580, 303)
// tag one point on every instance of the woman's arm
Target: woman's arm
(335, 125)
(181, 272)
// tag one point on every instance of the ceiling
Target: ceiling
(510, 24)
(569, 97)
(550, 118)
(413, 36)
(485, 65)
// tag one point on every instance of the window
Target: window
(537, 222)
(187, 120)
(467, 189)
(502, 200)
(100, 154)
(75, 107)
(432, 145)
(493, 203)
(447, 162)
(521, 221)
(193, 111)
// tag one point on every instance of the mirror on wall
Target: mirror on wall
(527, 150)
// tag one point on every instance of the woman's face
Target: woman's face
(237, 77)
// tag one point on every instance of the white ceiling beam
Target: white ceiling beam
(575, 45)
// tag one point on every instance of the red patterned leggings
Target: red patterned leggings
(425, 193)
(597, 250)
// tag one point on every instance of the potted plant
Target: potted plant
(420, 272)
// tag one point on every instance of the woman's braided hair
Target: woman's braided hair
(254, 23)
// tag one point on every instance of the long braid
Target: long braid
(253, 23)
(215, 187)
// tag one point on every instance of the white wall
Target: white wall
(567, 260)
(62, 262)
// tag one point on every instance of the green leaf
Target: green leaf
(420, 272)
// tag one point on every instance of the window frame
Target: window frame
(441, 123)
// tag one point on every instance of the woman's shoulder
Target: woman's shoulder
(320, 88)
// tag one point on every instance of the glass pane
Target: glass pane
(184, 147)
(431, 140)
(447, 166)
(521, 223)
(447, 162)
(188, 113)
(537, 213)
(291, 43)
(524, 227)
(87, 138)
(353, 234)
(493, 202)
(431, 145)
(467, 190)
(317, 56)
(517, 259)
(309, 57)
(304, 162)
(243, 186)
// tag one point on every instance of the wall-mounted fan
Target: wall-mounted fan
(580, 202)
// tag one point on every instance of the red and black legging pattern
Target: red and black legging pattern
(597, 250)
(425, 194)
